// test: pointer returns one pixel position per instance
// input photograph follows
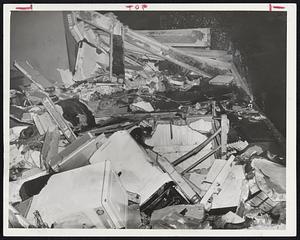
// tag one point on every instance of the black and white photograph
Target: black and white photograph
(150, 119)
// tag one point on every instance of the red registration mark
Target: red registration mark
(25, 8)
(275, 7)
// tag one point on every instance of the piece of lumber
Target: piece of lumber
(50, 147)
(59, 120)
(167, 167)
(220, 55)
(201, 160)
(218, 180)
(224, 132)
(196, 149)
(194, 37)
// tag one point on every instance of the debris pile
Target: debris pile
(148, 132)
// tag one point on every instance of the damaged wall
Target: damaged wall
(39, 37)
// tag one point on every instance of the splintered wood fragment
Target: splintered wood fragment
(220, 55)
(219, 180)
(184, 186)
(50, 147)
(224, 132)
(213, 172)
(59, 120)
(194, 37)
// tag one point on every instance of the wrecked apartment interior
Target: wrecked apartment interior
(113, 127)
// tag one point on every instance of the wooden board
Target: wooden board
(218, 180)
(195, 37)
(231, 189)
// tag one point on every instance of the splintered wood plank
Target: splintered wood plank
(50, 147)
(218, 180)
(215, 170)
(231, 189)
(194, 37)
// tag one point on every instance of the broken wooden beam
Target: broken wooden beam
(194, 37)
(59, 120)
(224, 132)
(188, 191)
(50, 147)
(218, 180)
(196, 149)
(200, 160)
(220, 55)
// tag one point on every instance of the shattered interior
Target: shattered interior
(147, 129)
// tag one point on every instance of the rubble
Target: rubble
(145, 133)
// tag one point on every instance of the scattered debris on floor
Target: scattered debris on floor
(147, 133)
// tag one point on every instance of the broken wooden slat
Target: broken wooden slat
(50, 147)
(215, 170)
(224, 132)
(220, 55)
(218, 180)
(59, 120)
(196, 149)
(201, 160)
(185, 188)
